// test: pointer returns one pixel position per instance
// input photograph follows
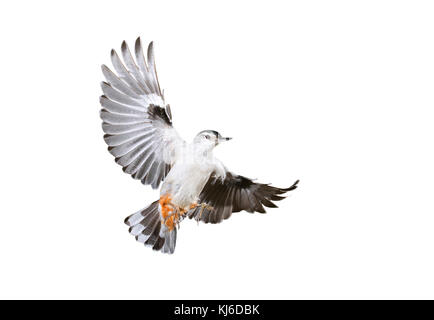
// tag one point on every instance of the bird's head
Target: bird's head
(209, 138)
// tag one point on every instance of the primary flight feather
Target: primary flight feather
(138, 129)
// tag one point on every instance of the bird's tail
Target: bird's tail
(146, 226)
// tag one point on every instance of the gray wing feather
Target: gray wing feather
(110, 129)
(136, 121)
(152, 69)
(132, 67)
(118, 96)
(127, 147)
(117, 83)
(124, 74)
(140, 58)
(117, 119)
(114, 107)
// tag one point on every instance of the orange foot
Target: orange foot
(193, 205)
(202, 206)
(170, 213)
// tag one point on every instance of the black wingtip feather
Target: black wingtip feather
(138, 44)
(293, 187)
(261, 209)
(126, 221)
(276, 198)
(268, 203)
(105, 84)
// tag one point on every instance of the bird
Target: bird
(139, 132)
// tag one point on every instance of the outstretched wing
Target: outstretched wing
(235, 193)
(136, 120)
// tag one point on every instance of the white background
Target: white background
(338, 94)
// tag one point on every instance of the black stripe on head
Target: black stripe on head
(215, 133)
(158, 113)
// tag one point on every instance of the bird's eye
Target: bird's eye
(207, 137)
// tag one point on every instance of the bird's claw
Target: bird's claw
(175, 213)
(203, 206)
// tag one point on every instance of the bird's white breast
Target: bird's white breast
(188, 176)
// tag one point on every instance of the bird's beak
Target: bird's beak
(223, 139)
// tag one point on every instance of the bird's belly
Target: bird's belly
(184, 185)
